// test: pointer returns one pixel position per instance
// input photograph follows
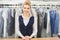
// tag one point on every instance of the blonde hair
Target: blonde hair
(27, 2)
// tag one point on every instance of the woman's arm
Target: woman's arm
(34, 28)
(17, 28)
(35, 23)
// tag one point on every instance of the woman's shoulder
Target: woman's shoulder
(20, 16)
(32, 16)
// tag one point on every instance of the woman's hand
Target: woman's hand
(27, 38)
(23, 38)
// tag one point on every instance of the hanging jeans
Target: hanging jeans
(54, 22)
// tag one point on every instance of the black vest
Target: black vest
(26, 30)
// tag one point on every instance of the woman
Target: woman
(26, 30)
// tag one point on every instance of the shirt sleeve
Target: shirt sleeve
(17, 28)
(34, 25)
(34, 29)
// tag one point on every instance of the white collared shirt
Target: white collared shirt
(26, 21)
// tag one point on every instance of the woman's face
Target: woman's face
(26, 9)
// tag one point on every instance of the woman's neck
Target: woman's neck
(26, 15)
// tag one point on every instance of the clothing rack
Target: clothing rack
(33, 4)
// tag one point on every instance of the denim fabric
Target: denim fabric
(54, 21)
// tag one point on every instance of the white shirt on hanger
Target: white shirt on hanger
(5, 21)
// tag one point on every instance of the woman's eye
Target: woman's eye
(27, 8)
